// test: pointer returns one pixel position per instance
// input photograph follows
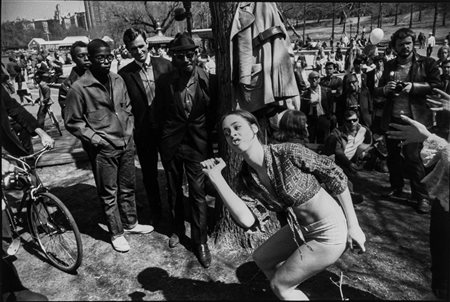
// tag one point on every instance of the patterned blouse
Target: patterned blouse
(295, 173)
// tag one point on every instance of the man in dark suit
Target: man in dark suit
(141, 76)
(317, 104)
(186, 120)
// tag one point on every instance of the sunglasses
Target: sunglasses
(182, 55)
(103, 58)
(352, 120)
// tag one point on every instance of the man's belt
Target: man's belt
(262, 37)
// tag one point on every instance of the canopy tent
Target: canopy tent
(159, 38)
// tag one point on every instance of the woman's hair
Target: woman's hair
(293, 125)
(250, 118)
(441, 51)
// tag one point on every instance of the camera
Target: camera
(399, 86)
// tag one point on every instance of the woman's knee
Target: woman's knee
(282, 291)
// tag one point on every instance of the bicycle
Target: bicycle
(50, 223)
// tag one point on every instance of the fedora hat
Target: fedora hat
(182, 42)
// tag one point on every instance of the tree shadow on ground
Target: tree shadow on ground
(252, 286)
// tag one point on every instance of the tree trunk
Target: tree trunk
(380, 15)
(396, 14)
(411, 15)
(419, 19)
(444, 13)
(227, 233)
(304, 22)
(332, 24)
(435, 18)
(359, 19)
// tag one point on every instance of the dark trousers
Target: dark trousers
(42, 112)
(439, 246)
(406, 161)
(329, 148)
(147, 151)
(319, 128)
(429, 50)
(184, 160)
(24, 136)
(115, 179)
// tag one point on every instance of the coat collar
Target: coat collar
(198, 72)
(88, 79)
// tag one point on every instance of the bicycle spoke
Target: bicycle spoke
(56, 232)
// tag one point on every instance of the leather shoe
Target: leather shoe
(395, 193)
(174, 240)
(203, 254)
(423, 206)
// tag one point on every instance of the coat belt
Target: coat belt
(262, 37)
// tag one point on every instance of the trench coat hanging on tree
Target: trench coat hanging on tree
(262, 58)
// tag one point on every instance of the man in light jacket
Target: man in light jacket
(98, 112)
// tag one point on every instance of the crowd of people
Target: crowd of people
(168, 106)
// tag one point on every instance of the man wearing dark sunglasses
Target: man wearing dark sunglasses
(141, 77)
(98, 112)
(349, 143)
(79, 54)
(184, 97)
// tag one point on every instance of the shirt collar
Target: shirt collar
(147, 61)
(88, 79)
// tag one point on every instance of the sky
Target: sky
(37, 9)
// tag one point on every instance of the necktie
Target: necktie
(147, 78)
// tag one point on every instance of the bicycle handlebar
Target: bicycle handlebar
(23, 158)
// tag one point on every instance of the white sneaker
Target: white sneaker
(141, 229)
(120, 244)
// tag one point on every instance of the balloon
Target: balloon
(376, 36)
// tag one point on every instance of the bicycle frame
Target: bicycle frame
(27, 174)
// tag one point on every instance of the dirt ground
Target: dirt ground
(396, 265)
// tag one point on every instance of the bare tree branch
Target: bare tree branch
(169, 16)
(150, 14)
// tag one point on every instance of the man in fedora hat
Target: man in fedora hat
(186, 119)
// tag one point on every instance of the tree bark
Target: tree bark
(332, 24)
(444, 13)
(435, 18)
(227, 233)
(380, 15)
(420, 13)
(396, 14)
(411, 15)
(359, 18)
(304, 22)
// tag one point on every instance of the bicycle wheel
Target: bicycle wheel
(10, 236)
(55, 122)
(55, 230)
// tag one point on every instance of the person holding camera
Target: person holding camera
(405, 82)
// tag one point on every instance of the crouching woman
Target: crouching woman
(287, 177)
